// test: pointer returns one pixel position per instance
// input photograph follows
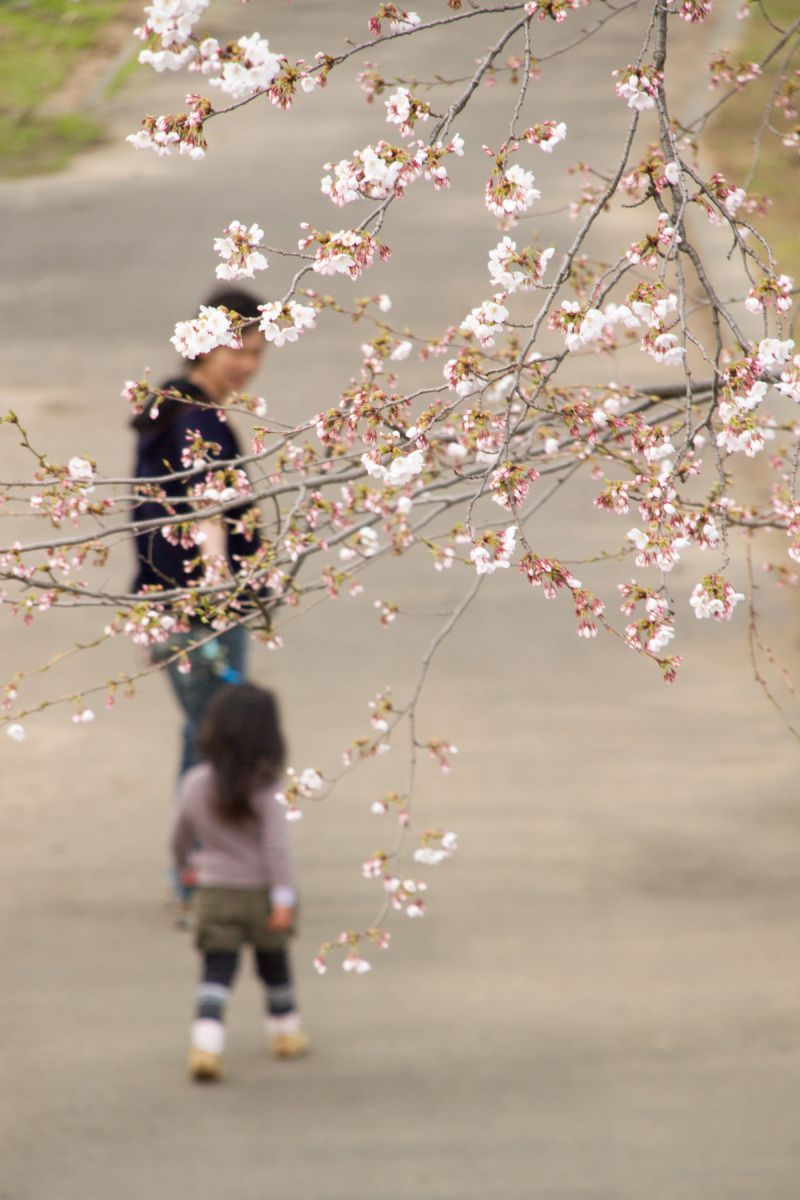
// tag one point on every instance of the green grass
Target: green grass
(123, 74)
(40, 41)
(733, 129)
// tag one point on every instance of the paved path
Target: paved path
(601, 1004)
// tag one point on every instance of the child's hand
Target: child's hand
(280, 920)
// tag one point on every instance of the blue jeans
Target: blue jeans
(214, 664)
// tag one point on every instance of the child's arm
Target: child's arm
(280, 862)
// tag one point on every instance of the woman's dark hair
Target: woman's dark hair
(240, 736)
(238, 299)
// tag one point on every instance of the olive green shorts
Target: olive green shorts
(229, 918)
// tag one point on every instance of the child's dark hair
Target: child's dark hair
(240, 736)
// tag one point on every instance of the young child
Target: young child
(231, 838)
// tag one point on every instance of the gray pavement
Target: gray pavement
(602, 1001)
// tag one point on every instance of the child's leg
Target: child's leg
(283, 1020)
(275, 973)
(216, 980)
(208, 1030)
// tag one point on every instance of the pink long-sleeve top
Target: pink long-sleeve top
(253, 853)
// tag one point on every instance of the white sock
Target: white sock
(286, 1023)
(208, 1035)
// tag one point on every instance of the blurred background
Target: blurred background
(601, 1002)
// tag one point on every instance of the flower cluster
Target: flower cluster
(652, 172)
(353, 962)
(772, 290)
(723, 70)
(399, 20)
(430, 160)
(374, 172)
(654, 246)
(212, 328)
(714, 597)
(510, 484)
(281, 323)
(404, 109)
(170, 23)
(510, 190)
(182, 130)
(305, 786)
(348, 252)
(729, 199)
(546, 134)
(552, 576)
(638, 86)
(582, 326)
(693, 11)
(486, 320)
(493, 550)
(237, 249)
(518, 271)
(246, 67)
(652, 632)
(556, 10)
(384, 170)
(401, 470)
(463, 374)
(437, 846)
(742, 431)
(406, 895)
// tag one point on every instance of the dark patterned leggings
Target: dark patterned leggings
(218, 973)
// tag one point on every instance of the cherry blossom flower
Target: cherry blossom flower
(774, 352)
(401, 351)
(404, 109)
(664, 348)
(510, 191)
(492, 551)
(16, 732)
(429, 160)
(212, 328)
(486, 320)
(401, 470)
(80, 470)
(437, 846)
(281, 323)
(556, 10)
(714, 597)
(638, 86)
(354, 962)
(510, 484)
(652, 303)
(517, 271)
(237, 249)
(771, 290)
(790, 380)
(348, 252)
(374, 172)
(170, 23)
(693, 11)
(251, 68)
(722, 69)
(657, 548)
(399, 20)
(182, 130)
(546, 135)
